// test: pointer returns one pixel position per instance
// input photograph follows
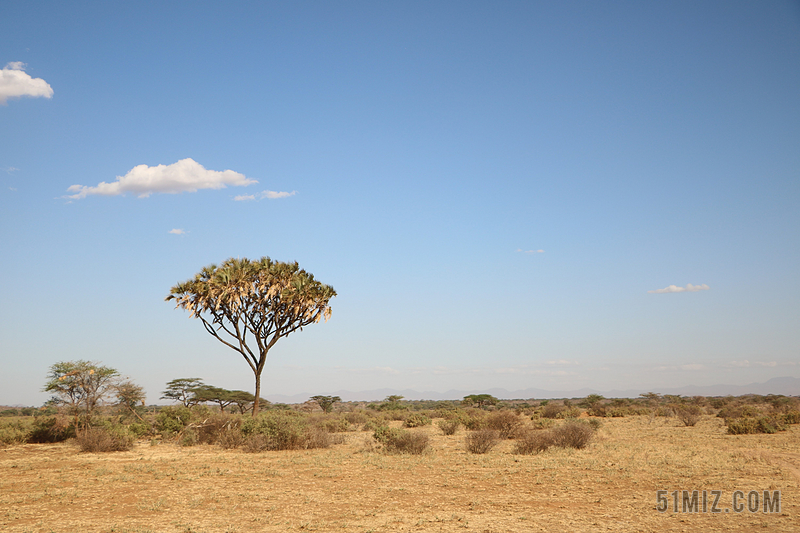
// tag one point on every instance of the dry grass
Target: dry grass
(608, 486)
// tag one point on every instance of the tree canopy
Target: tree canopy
(249, 305)
(326, 402)
(82, 386)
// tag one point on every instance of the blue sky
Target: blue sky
(500, 193)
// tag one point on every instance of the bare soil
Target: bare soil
(609, 486)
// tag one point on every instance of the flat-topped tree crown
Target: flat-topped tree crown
(249, 305)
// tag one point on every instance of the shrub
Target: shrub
(281, 430)
(542, 423)
(356, 418)
(481, 441)
(749, 425)
(51, 429)
(474, 419)
(572, 434)
(189, 437)
(506, 423)
(172, 419)
(415, 420)
(569, 412)
(332, 423)
(449, 427)
(412, 442)
(791, 417)
(111, 438)
(552, 410)
(211, 428)
(689, 414)
(532, 441)
(14, 433)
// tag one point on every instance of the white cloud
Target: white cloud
(177, 231)
(674, 288)
(561, 362)
(272, 195)
(11, 169)
(692, 366)
(184, 176)
(16, 83)
(530, 251)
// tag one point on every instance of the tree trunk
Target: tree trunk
(258, 394)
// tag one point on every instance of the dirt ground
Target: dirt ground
(610, 486)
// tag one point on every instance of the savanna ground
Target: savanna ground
(609, 486)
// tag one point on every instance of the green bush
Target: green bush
(282, 430)
(16, 432)
(792, 417)
(750, 425)
(449, 427)
(51, 429)
(173, 418)
(332, 423)
(415, 420)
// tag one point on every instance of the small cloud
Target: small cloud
(561, 362)
(186, 175)
(530, 251)
(674, 288)
(11, 169)
(12, 188)
(177, 231)
(272, 195)
(16, 83)
(244, 197)
(746, 363)
(692, 366)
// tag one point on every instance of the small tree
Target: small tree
(82, 386)
(249, 305)
(207, 393)
(481, 400)
(326, 402)
(181, 390)
(129, 396)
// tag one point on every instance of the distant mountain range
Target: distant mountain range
(786, 386)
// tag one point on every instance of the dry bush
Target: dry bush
(449, 427)
(506, 423)
(552, 410)
(481, 440)
(357, 418)
(542, 423)
(533, 441)
(689, 414)
(211, 429)
(332, 423)
(412, 442)
(102, 439)
(573, 434)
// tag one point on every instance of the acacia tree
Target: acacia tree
(326, 402)
(249, 305)
(82, 386)
(180, 390)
